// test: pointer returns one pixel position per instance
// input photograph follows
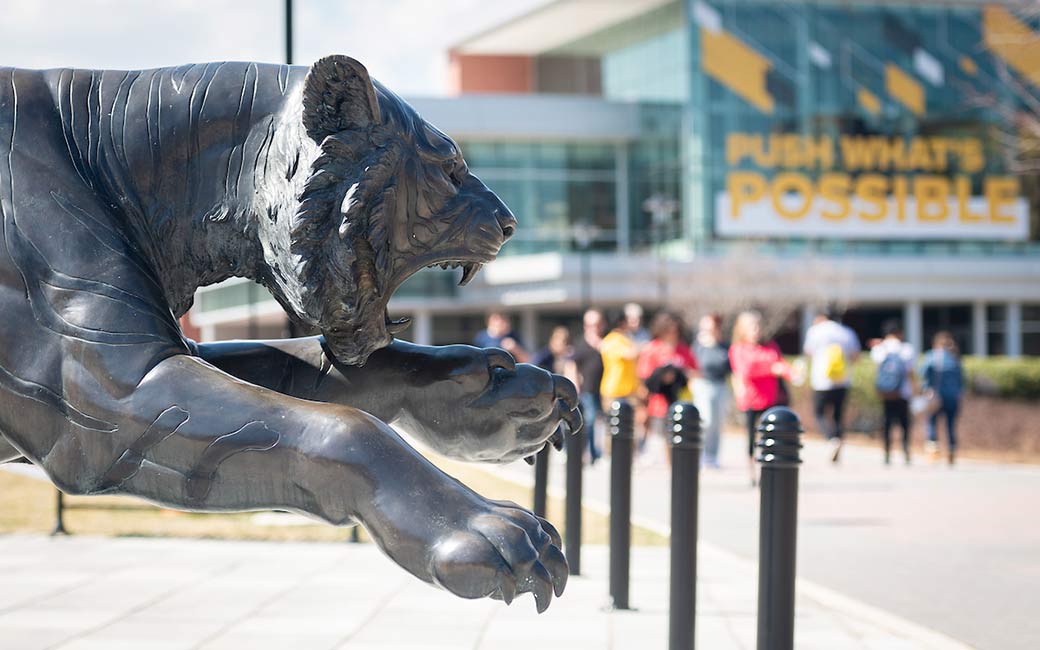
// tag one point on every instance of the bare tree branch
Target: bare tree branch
(743, 279)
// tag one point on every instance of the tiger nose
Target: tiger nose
(506, 221)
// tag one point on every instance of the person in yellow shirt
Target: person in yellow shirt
(620, 354)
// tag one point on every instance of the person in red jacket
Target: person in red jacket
(666, 366)
(757, 370)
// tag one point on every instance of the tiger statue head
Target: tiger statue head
(387, 194)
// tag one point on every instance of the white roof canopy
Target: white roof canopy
(553, 25)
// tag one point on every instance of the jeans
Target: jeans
(591, 407)
(897, 411)
(835, 399)
(949, 407)
(710, 398)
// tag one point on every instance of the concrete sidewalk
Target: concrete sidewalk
(82, 593)
(954, 550)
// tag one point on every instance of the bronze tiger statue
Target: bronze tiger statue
(123, 192)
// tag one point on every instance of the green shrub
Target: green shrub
(1004, 377)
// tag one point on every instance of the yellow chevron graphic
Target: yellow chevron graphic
(736, 66)
(869, 101)
(968, 66)
(904, 89)
(1012, 41)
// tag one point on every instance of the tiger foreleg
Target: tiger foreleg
(464, 402)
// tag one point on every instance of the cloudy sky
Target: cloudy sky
(402, 42)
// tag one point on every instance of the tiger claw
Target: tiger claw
(507, 589)
(574, 420)
(557, 439)
(541, 587)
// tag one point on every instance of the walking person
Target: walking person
(757, 368)
(710, 393)
(634, 325)
(589, 365)
(895, 378)
(499, 334)
(620, 355)
(666, 366)
(558, 355)
(942, 378)
(832, 348)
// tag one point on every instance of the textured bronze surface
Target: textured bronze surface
(123, 192)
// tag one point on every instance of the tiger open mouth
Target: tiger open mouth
(470, 268)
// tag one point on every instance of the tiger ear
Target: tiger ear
(338, 95)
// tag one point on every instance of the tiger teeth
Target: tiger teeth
(469, 272)
(399, 325)
(469, 269)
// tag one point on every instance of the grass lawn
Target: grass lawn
(27, 505)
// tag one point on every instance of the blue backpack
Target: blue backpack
(945, 375)
(890, 376)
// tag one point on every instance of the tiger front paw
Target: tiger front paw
(486, 407)
(500, 552)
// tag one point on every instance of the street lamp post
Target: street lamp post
(290, 326)
(661, 209)
(584, 234)
(288, 32)
(253, 322)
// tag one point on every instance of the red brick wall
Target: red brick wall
(188, 328)
(473, 73)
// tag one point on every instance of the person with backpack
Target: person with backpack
(894, 383)
(832, 348)
(942, 377)
(666, 366)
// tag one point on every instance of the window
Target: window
(1031, 330)
(551, 187)
(996, 329)
(955, 319)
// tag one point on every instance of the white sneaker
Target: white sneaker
(835, 449)
(931, 449)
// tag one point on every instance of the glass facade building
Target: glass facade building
(553, 187)
(789, 105)
(905, 106)
(629, 137)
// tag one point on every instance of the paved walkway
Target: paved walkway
(83, 593)
(955, 550)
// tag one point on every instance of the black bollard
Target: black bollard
(355, 536)
(572, 534)
(778, 454)
(541, 481)
(621, 421)
(59, 522)
(684, 434)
